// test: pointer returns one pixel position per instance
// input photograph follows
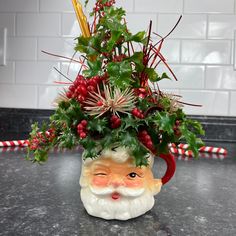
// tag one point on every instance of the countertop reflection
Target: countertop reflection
(45, 199)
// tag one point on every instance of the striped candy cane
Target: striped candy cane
(14, 143)
(207, 149)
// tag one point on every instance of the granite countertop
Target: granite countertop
(45, 199)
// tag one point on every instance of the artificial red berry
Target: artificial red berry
(99, 103)
(115, 122)
(69, 94)
(72, 88)
(92, 82)
(80, 127)
(84, 123)
(83, 135)
(81, 98)
(147, 138)
(144, 132)
(83, 90)
(91, 88)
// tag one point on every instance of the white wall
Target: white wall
(200, 51)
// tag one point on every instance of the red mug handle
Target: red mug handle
(171, 166)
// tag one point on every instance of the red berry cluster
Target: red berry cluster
(82, 129)
(176, 128)
(42, 138)
(100, 6)
(81, 87)
(115, 122)
(137, 113)
(146, 140)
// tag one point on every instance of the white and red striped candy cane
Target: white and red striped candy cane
(180, 151)
(217, 150)
(14, 143)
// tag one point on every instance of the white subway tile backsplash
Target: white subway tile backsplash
(143, 22)
(70, 25)
(213, 102)
(206, 51)
(18, 5)
(209, 6)
(220, 77)
(221, 26)
(7, 73)
(18, 96)
(70, 70)
(163, 6)
(28, 72)
(47, 96)
(189, 77)
(190, 26)
(21, 48)
(56, 6)
(171, 50)
(8, 21)
(59, 46)
(233, 104)
(43, 24)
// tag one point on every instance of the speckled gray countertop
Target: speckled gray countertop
(45, 199)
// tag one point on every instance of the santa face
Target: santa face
(114, 190)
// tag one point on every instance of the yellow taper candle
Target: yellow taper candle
(81, 18)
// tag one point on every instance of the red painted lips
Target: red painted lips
(115, 196)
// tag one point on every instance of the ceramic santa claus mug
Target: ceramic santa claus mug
(113, 187)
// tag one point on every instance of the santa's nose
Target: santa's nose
(116, 182)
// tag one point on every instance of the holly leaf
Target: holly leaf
(165, 121)
(98, 125)
(120, 74)
(138, 37)
(136, 58)
(128, 139)
(94, 68)
(140, 154)
(153, 76)
(193, 142)
(115, 35)
(90, 46)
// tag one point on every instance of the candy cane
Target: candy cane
(207, 149)
(14, 143)
(180, 151)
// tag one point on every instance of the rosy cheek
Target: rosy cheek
(100, 181)
(134, 183)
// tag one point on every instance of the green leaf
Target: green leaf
(165, 121)
(98, 125)
(190, 137)
(140, 155)
(115, 35)
(153, 76)
(89, 46)
(138, 37)
(120, 74)
(94, 68)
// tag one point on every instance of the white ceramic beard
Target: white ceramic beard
(132, 203)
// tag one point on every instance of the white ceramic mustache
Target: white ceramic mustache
(126, 192)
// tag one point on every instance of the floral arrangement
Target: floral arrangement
(115, 100)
